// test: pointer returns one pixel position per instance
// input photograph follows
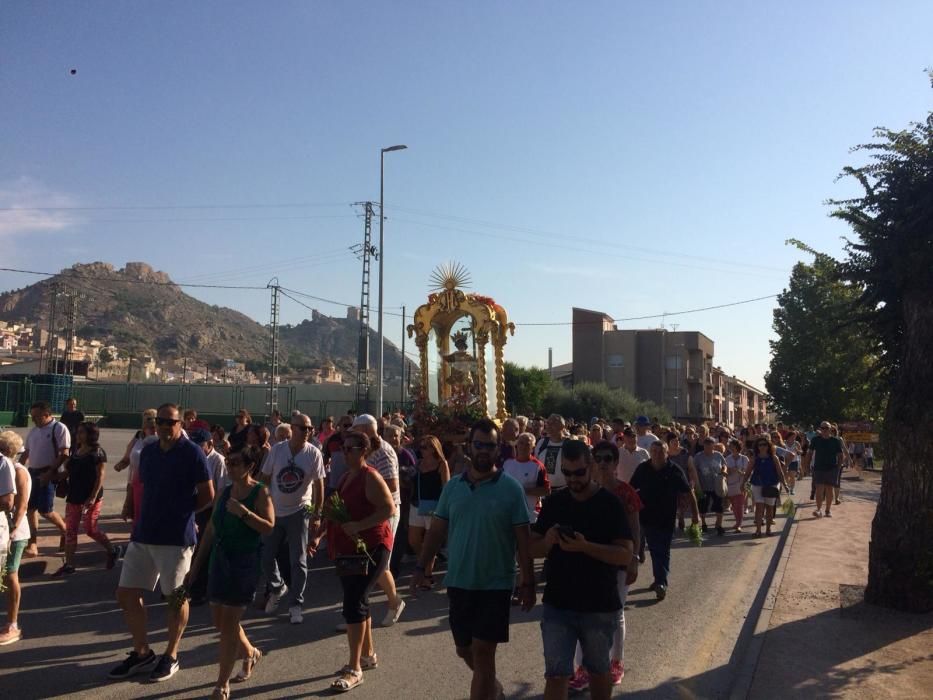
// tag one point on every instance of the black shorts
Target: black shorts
(710, 503)
(482, 615)
(825, 477)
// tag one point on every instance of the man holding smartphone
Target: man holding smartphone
(584, 533)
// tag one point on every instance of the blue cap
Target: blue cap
(199, 436)
(642, 420)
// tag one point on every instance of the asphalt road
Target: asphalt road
(684, 647)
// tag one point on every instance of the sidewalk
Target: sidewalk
(822, 640)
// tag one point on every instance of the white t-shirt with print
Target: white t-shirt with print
(291, 476)
(43, 450)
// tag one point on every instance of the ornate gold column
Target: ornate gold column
(498, 343)
(481, 339)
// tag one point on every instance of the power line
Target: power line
(72, 273)
(172, 207)
(666, 313)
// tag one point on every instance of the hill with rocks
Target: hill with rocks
(142, 312)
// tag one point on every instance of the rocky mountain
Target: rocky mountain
(141, 311)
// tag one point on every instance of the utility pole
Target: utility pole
(401, 393)
(273, 401)
(365, 253)
(72, 327)
(52, 341)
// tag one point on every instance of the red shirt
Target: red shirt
(353, 493)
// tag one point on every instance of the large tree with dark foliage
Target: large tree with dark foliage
(821, 360)
(891, 259)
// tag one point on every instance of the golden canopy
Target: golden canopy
(462, 375)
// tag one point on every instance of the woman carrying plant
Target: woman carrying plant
(242, 514)
(765, 473)
(359, 540)
(85, 469)
(431, 475)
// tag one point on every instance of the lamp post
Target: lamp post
(379, 355)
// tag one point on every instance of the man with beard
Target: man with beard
(484, 518)
(584, 533)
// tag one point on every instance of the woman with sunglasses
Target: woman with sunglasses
(432, 472)
(765, 473)
(243, 512)
(370, 505)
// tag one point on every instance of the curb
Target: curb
(764, 602)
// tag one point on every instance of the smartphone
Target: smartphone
(566, 532)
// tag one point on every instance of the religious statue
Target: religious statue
(462, 379)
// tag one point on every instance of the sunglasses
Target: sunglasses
(762, 444)
(296, 426)
(574, 472)
(603, 459)
(352, 448)
(483, 446)
(167, 421)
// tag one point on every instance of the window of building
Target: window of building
(616, 360)
(673, 362)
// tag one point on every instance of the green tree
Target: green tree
(587, 400)
(891, 260)
(821, 361)
(525, 388)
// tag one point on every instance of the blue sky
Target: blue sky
(609, 155)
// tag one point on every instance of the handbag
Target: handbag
(722, 486)
(770, 492)
(352, 564)
(425, 507)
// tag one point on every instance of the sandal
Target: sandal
(249, 665)
(367, 663)
(348, 680)
(427, 584)
(220, 693)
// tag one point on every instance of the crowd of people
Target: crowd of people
(233, 517)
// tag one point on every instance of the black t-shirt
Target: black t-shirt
(576, 581)
(658, 490)
(82, 473)
(71, 420)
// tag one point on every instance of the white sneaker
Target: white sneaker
(393, 614)
(294, 615)
(273, 603)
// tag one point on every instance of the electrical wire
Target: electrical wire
(73, 274)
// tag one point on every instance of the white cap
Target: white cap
(365, 419)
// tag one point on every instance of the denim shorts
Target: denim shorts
(562, 629)
(41, 498)
(232, 577)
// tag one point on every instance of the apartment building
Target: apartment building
(671, 368)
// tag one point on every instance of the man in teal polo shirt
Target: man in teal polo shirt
(483, 515)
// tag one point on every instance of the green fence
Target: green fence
(123, 402)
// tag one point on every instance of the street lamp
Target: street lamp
(379, 355)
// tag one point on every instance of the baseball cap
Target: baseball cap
(642, 420)
(199, 436)
(365, 419)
